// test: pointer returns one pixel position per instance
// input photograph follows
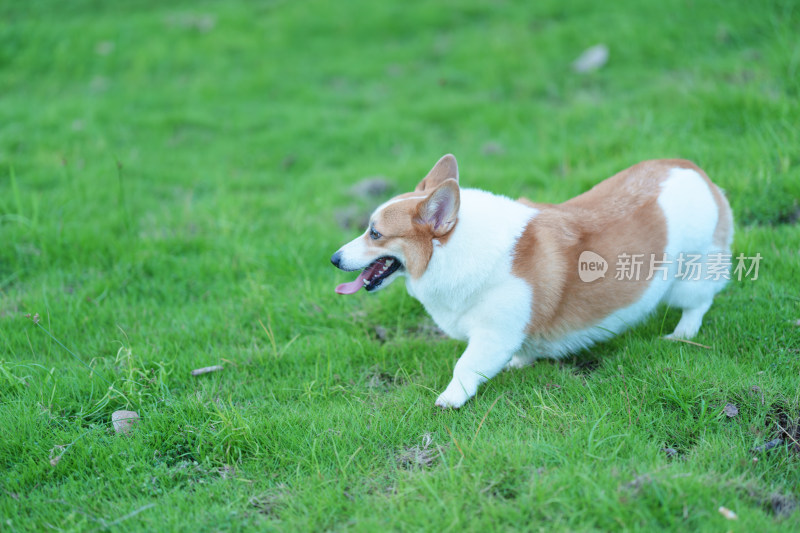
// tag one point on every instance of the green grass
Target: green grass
(170, 174)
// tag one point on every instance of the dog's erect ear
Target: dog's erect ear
(445, 169)
(440, 209)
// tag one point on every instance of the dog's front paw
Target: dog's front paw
(453, 397)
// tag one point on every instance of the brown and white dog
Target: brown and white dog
(520, 280)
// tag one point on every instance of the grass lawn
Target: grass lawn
(174, 178)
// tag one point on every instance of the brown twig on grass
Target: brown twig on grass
(484, 419)
(688, 342)
(454, 441)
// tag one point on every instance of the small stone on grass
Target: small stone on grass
(206, 370)
(124, 421)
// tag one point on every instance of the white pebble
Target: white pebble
(124, 421)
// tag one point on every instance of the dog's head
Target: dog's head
(401, 233)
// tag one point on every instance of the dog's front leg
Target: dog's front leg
(486, 355)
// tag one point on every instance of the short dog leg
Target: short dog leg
(690, 322)
(485, 356)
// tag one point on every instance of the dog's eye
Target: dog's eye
(374, 234)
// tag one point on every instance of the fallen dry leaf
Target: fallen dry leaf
(55, 454)
(774, 443)
(374, 187)
(226, 471)
(270, 502)
(380, 333)
(591, 59)
(731, 410)
(124, 421)
(727, 513)
(419, 456)
(104, 48)
(201, 22)
(638, 482)
(352, 217)
(670, 452)
(492, 148)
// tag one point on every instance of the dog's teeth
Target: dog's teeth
(366, 282)
(389, 262)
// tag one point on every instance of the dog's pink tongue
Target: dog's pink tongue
(352, 287)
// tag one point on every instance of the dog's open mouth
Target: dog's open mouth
(372, 276)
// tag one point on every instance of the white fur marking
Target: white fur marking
(393, 201)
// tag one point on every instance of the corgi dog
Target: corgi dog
(520, 280)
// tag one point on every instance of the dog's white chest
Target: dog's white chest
(470, 276)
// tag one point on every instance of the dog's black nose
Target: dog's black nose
(336, 259)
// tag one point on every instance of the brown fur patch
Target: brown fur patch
(619, 215)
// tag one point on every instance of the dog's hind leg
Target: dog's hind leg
(529, 352)
(694, 298)
(519, 360)
(690, 322)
